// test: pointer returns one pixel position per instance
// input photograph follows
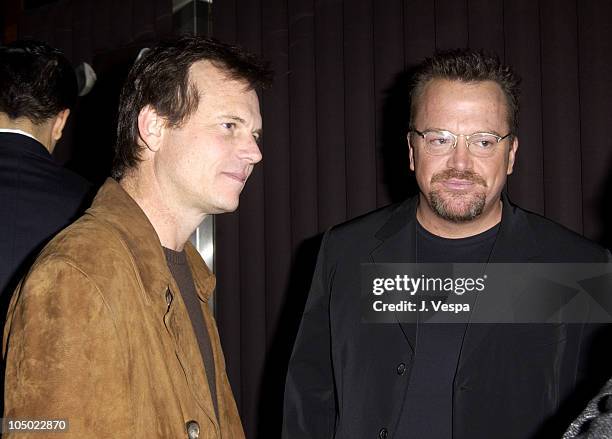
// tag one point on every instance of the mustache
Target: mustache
(459, 175)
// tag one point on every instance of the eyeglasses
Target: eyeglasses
(443, 142)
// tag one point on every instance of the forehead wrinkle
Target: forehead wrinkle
(456, 106)
(222, 96)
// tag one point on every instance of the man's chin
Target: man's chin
(223, 206)
(457, 208)
(228, 208)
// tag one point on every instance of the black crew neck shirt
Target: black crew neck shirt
(428, 408)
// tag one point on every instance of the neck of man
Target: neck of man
(41, 132)
(173, 225)
(444, 228)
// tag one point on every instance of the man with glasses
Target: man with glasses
(349, 379)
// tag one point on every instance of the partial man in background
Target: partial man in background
(38, 197)
(111, 329)
(349, 379)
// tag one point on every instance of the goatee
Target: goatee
(446, 208)
(457, 206)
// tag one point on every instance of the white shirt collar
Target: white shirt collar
(23, 133)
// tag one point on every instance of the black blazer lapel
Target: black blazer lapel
(398, 245)
(515, 243)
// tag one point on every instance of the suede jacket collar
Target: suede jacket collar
(114, 207)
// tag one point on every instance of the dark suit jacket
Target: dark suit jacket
(38, 198)
(346, 379)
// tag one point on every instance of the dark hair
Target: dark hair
(468, 66)
(36, 81)
(160, 78)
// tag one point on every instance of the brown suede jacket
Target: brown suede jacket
(97, 333)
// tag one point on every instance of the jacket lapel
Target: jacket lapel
(114, 207)
(187, 352)
(515, 243)
(398, 245)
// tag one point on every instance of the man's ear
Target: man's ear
(150, 128)
(58, 125)
(410, 152)
(512, 155)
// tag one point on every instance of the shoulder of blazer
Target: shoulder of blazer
(379, 223)
(547, 240)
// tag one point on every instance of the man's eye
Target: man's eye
(485, 143)
(228, 125)
(439, 141)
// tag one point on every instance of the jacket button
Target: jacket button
(383, 433)
(193, 430)
(401, 368)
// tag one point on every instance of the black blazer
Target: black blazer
(38, 198)
(348, 380)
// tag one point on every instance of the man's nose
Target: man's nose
(250, 151)
(460, 157)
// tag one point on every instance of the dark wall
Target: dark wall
(334, 148)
